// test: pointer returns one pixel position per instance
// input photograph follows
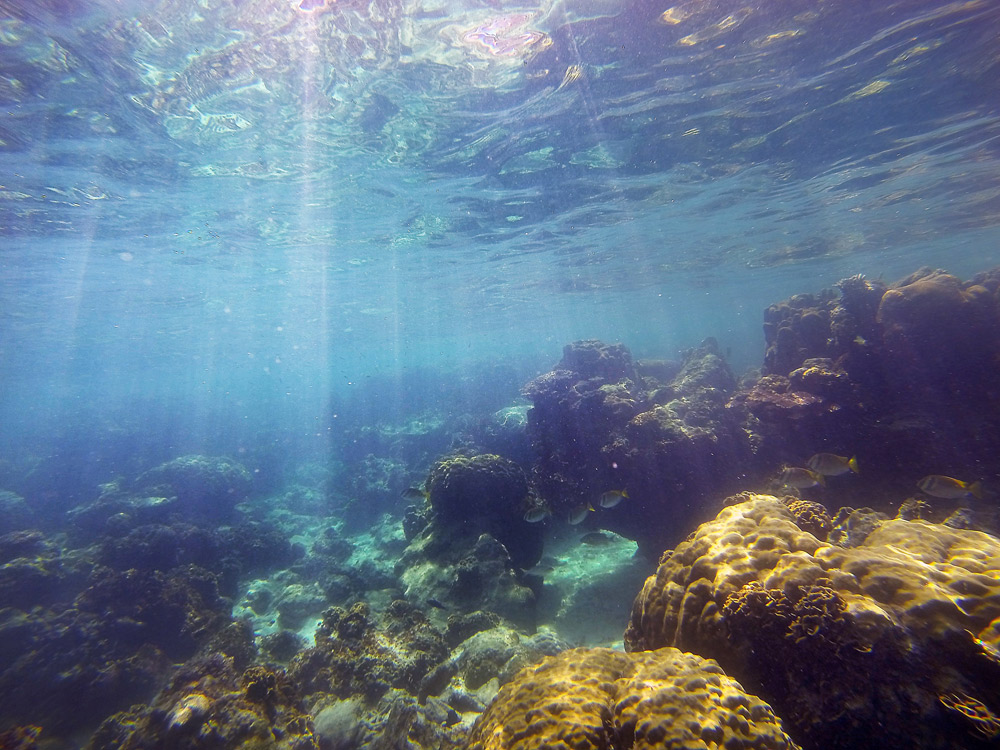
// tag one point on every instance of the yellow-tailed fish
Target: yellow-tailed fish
(800, 479)
(611, 498)
(947, 488)
(832, 465)
(414, 493)
(579, 513)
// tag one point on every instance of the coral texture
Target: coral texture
(599, 422)
(209, 705)
(593, 699)
(355, 656)
(69, 667)
(854, 647)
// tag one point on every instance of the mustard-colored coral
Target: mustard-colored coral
(810, 516)
(837, 639)
(598, 698)
(929, 578)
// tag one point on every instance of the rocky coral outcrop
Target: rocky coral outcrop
(205, 487)
(211, 704)
(854, 647)
(599, 422)
(484, 494)
(599, 698)
(577, 409)
(359, 655)
(903, 374)
(467, 576)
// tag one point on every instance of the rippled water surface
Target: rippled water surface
(299, 193)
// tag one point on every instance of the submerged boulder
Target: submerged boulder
(206, 487)
(472, 495)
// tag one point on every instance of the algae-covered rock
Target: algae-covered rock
(206, 487)
(471, 495)
(359, 655)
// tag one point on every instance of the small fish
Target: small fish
(596, 539)
(832, 465)
(800, 479)
(415, 493)
(611, 498)
(538, 512)
(947, 488)
(579, 513)
(436, 603)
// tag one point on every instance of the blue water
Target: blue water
(271, 229)
(236, 207)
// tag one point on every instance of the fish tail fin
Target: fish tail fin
(853, 465)
(625, 494)
(821, 479)
(975, 489)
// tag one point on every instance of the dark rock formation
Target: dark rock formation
(597, 425)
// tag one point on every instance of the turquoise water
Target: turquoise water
(251, 197)
(299, 232)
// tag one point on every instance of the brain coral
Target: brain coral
(854, 647)
(598, 698)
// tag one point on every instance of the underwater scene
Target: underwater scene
(495, 375)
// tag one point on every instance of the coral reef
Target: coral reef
(358, 656)
(599, 698)
(68, 667)
(205, 487)
(903, 374)
(852, 646)
(210, 704)
(597, 424)
(861, 630)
